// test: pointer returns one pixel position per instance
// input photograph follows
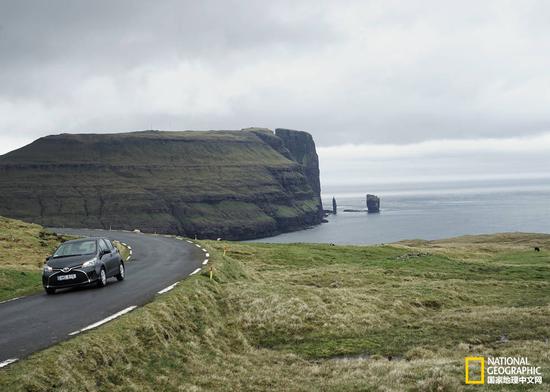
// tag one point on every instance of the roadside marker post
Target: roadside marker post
(211, 271)
(225, 249)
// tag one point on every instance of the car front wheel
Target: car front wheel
(102, 280)
(49, 290)
(121, 272)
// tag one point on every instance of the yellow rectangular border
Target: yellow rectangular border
(467, 361)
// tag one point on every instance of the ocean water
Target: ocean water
(431, 211)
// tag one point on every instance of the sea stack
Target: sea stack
(334, 210)
(373, 203)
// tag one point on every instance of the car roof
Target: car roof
(85, 239)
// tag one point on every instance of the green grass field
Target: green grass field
(124, 251)
(23, 249)
(319, 318)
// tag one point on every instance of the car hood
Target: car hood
(72, 261)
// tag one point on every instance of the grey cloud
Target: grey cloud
(347, 71)
(136, 32)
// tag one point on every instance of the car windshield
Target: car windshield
(76, 248)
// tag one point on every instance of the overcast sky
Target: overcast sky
(390, 90)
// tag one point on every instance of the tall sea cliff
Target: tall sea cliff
(231, 184)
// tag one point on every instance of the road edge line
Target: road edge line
(195, 271)
(8, 361)
(105, 320)
(167, 289)
(9, 300)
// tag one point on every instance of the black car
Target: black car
(80, 262)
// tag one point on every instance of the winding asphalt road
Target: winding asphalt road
(35, 322)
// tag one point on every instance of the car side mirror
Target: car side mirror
(104, 252)
(48, 258)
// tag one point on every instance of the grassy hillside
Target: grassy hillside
(23, 249)
(230, 184)
(319, 318)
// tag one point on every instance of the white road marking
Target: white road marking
(197, 245)
(129, 247)
(204, 250)
(105, 320)
(195, 271)
(207, 254)
(7, 362)
(167, 289)
(189, 241)
(205, 262)
(9, 300)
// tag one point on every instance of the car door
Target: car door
(107, 258)
(115, 255)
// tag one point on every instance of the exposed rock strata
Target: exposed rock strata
(373, 203)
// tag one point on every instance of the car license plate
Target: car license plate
(66, 277)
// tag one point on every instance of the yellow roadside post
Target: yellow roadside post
(225, 249)
(211, 271)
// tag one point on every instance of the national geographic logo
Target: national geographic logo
(475, 370)
(501, 370)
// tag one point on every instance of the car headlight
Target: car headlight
(89, 263)
(47, 268)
